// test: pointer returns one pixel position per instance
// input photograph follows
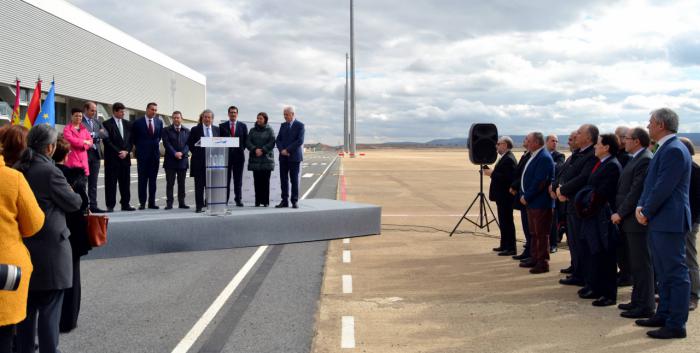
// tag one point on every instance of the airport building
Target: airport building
(89, 60)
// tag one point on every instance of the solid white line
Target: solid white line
(347, 284)
(201, 324)
(346, 241)
(319, 178)
(307, 175)
(346, 256)
(429, 215)
(348, 332)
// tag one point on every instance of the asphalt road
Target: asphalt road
(149, 303)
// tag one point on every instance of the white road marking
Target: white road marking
(191, 337)
(315, 163)
(319, 179)
(346, 241)
(348, 332)
(323, 163)
(307, 175)
(346, 256)
(347, 284)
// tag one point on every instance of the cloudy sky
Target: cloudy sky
(429, 69)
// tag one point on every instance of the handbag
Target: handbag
(97, 229)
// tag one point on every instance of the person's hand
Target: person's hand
(284, 152)
(88, 143)
(123, 154)
(178, 155)
(512, 191)
(258, 152)
(562, 198)
(552, 195)
(615, 218)
(488, 172)
(522, 200)
(642, 219)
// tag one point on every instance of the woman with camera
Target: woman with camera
(50, 248)
(20, 216)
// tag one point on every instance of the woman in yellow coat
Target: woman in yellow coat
(20, 216)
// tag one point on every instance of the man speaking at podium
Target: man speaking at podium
(198, 162)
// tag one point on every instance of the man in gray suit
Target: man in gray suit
(97, 132)
(629, 189)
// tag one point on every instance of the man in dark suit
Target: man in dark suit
(502, 177)
(118, 159)
(236, 155)
(538, 175)
(198, 167)
(629, 189)
(691, 250)
(570, 183)
(624, 277)
(146, 133)
(515, 191)
(290, 143)
(623, 157)
(97, 132)
(560, 209)
(559, 159)
(665, 207)
(176, 161)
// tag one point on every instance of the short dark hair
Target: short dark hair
(75, 110)
(117, 107)
(232, 107)
(62, 149)
(610, 140)
(538, 137)
(150, 104)
(641, 134)
(176, 112)
(688, 144)
(87, 104)
(264, 115)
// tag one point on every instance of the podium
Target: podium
(216, 152)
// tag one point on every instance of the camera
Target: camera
(10, 276)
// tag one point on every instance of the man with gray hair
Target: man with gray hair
(624, 278)
(290, 143)
(198, 162)
(665, 207)
(502, 177)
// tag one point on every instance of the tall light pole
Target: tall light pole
(353, 131)
(346, 123)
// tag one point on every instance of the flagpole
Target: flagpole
(352, 81)
(346, 127)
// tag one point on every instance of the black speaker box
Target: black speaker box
(482, 143)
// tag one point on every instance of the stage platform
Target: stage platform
(159, 231)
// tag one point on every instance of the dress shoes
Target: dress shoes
(153, 207)
(693, 303)
(239, 204)
(184, 207)
(653, 321)
(528, 264)
(588, 294)
(567, 270)
(665, 333)
(96, 210)
(128, 208)
(571, 281)
(168, 207)
(522, 256)
(294, 205)
(552, 249)
(627, 306)
(637, 313)
(539, 269)
(198, 210)
(498, 249)
(603, 301)
(282, 205)
(507, 253)
(142, 206)
(110, 209)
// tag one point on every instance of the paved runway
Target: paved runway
(149, 303)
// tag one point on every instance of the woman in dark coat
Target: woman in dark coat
(261, 144)
(80, 245)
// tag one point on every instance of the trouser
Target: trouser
(526, 230)
(603, 274)
(200, 182)
(540, 221)
(554, 228)
(94, 164)
(504, 209)
(641, 270)
(261, 180)
(668, 255)
(691, 258)
(289, 171)
(148, 172)
(235, 172)
(6, 336)
(46, 304)
(585, 267)
(623, 257)
(572, 239)
(121, 174)
(170, 176)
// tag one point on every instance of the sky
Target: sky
(428, 69)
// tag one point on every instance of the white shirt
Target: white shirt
(532, 156)
(663, 140)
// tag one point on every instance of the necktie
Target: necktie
(119, 126)
(595, 167)
(150, 127)
(233, 129)
(208, 133)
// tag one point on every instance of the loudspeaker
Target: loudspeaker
(482, 143)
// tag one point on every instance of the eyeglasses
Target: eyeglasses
(629, 138)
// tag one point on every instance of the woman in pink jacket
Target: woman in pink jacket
(80, 141)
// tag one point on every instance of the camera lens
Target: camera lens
(10, 277)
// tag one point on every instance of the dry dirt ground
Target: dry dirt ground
(417, 290)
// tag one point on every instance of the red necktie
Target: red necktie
(596, 167)
(233, 129)
(150, 128)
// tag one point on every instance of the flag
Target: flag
(47, 114)
(15, 109)
(34, 106)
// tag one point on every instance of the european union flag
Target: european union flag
(47, 114)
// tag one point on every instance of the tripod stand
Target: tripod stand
(483, 217)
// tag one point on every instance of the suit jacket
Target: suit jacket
(623, 157)
(50, 248)
(537, 177)
(236, 155)
(176, 142)
(604, 182)
(695, 193)
(629, 189)
(97, 133)
(147, 145)
(292, 140)
(198, 164)
(115, 142)
(559, 160)
(502, 177)
(516, 181)
(665, 201)
(576, 175)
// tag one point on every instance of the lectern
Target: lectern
(216, 152)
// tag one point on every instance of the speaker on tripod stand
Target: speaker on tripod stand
(482, 150)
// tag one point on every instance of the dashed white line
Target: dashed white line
(307, 175)
(348, 332)
(346, 241)
(347, 284)
(346, 256)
